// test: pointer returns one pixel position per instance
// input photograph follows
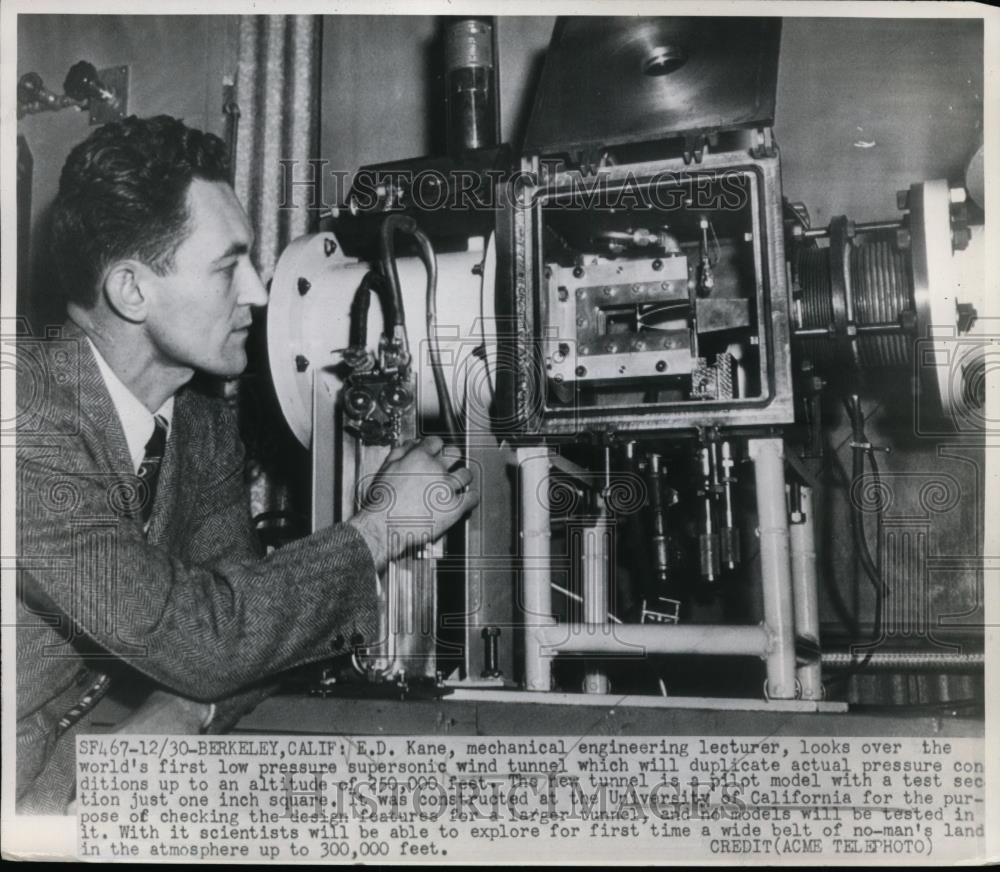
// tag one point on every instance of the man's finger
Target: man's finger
(433, 445)
(461, 478)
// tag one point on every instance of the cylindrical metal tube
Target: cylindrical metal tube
(636, 639)
(536, 592)
(775, 564)
(471, 83)
(802, 535)
(909, 661)
(654, 482)
(596, 542)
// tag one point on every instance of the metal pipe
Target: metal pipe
(637, 639)
(816, 232)
(909, 661)
(775, 564)
(596, 555)
(533, 496)
(880, 328)
(802, 534)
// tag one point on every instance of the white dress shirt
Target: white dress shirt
(136, 420)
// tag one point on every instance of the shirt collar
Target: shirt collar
(136, 420)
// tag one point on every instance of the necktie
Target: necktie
(149, 472)
(149, 469)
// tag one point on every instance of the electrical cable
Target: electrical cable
(433, 347)
(372, 283)
(387, 254)
(872, 568)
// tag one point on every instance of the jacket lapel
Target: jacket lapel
(97, 406)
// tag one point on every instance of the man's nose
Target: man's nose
(252, 290)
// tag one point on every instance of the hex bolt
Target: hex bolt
(609, 291)
(563, 295)
(584, 349)
(661, 366)
(657, 264)
(748, 237)
(612, 348)
(636, 289)
(581, 371)
(564, 349)
(581, 322)
(578, 272)
(956, 196)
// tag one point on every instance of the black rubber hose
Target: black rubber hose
(360, 305)
(872, 568)
(387, 252)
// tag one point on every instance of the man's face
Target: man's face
(199, 313)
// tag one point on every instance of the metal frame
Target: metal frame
(789, 606)
(522, 388)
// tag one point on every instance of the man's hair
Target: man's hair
(123, 194)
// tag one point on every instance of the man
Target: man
(136, 554)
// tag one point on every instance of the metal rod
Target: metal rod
(868, 227)
(802, 536)
(637, 639)
(775, 564)
(877, 328)
(533, 473)
(910, 661)
(596, 568)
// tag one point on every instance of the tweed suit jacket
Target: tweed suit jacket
(191, 604)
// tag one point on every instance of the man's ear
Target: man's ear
(122, 288)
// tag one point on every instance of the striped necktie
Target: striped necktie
(149, 469)
(149, 472)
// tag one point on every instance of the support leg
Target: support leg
(775, 564)
(533, 499)
(804, 587)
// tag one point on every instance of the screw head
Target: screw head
(563, 295)
(661, 366)
(581, 371)
(578, 272)
(657, 264)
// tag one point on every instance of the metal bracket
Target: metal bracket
(115, 79)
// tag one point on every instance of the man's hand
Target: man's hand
(166, 714)
(416, 483)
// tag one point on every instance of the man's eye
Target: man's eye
(229, 269)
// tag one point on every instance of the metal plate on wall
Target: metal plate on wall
(614, 80)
